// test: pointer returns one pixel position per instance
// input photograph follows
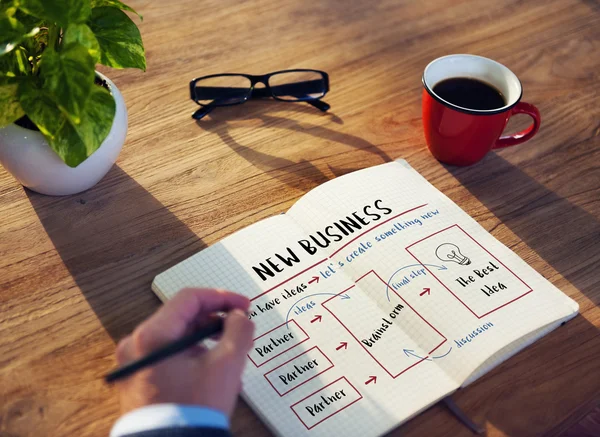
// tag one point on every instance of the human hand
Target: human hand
(197, 376)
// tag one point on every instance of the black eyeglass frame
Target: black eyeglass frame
(260, 92)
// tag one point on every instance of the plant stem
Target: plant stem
(53, 34)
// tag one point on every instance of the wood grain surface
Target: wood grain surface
(76, 271)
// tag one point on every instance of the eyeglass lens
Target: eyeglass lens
(222, 90)
(297, 85)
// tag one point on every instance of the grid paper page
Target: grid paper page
(373, 297)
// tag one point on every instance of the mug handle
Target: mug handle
(524, 135)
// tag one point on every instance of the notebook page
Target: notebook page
(228, 263)
(300, 377)
(408, 241)
(511, 349)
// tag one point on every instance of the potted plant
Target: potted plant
(62, 124)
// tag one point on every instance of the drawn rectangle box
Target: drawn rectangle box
(289, 330)
(310, 354)
(472, 295)
(342, 383)
(393, 360)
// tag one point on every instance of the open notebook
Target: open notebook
(373, 297)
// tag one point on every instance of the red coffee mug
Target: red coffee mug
(462, 136)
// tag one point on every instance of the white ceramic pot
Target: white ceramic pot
(28, 157)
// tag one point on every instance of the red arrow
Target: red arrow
(343, 344)
(314, 278)
(425, 291)
(372, 379)
(316, 319)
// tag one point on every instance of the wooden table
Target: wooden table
(76, 271)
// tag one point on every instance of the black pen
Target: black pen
(212, 328)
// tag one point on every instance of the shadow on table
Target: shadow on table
(301, 175)
(545, 222)
(113, 239)
(541, 388)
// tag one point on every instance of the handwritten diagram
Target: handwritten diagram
(370, 300)
(376, 314)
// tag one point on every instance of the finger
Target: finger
(191, 303)
(196, 351)
(124, 352)
(215, 337)
(203, 320)
(236, 339)
(229, 356)
(173, 319)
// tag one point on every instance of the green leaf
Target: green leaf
(15, 64)
(97, 118)
(119, 38)
(29, 21)
(41, 109)
(115, 4)
(8, 6)
(68, 76)
(9, 102)
(73, 143)
(63, 12)
(12, 32)
(83, 35)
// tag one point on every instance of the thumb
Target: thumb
(237, 336)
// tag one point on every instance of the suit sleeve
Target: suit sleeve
(172, 420)
(182, 432)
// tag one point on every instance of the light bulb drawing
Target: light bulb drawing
(451, 252)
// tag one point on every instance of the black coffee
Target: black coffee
(470, 93)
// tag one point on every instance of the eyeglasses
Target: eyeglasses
(233, 89)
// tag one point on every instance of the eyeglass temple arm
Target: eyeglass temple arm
(202, 112)
(319, 104)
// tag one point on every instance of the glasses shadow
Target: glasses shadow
(302, 175)
(113, 239)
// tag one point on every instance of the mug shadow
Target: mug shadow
(544, 221)
(302, 175)
(540, 218)
(113, 239)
